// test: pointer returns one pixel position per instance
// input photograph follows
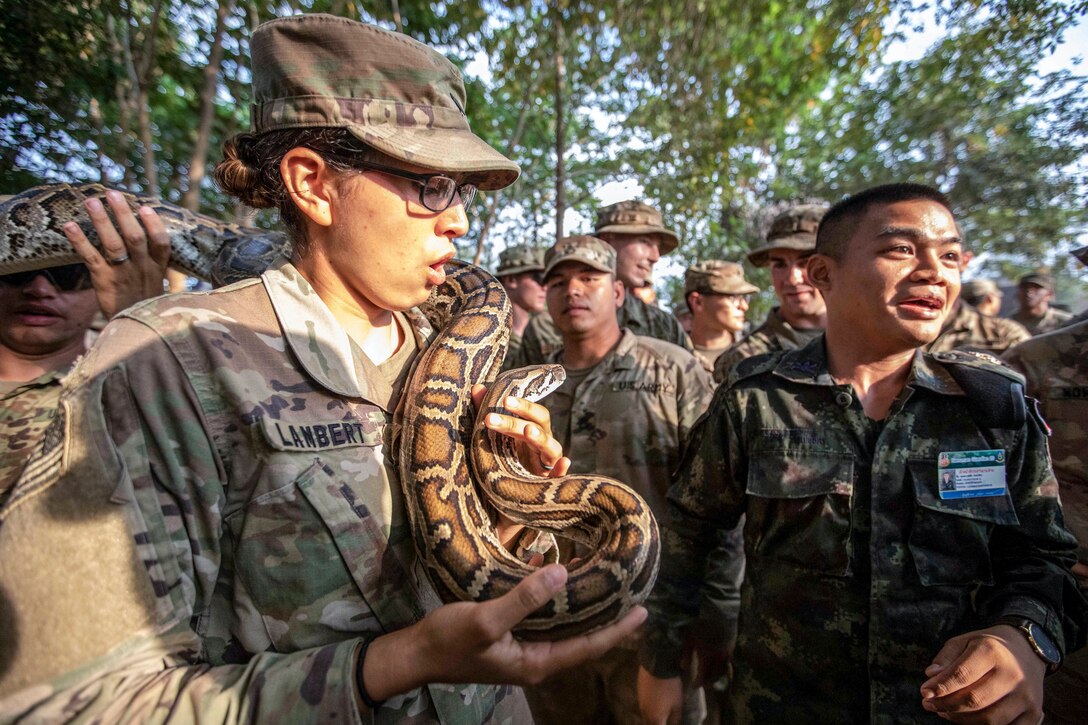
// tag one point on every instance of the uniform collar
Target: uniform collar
(808, 365)
(323, 348)
(619, 357)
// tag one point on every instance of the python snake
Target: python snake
(446, 457)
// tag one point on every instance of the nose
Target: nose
(453, 222)
(796, 274)
(928, 266)
(743, 304)
(654, 253)
(40, 286)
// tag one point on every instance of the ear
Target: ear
(695, 301)
(309, 181)
(965, 259)
(619, 292)
(820, 271)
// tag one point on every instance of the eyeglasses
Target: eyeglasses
(436, 191)
(66, 278)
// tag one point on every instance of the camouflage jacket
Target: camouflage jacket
(1056, 368)
(541, 337)
(858, 571)
(773, 335)
(631, 414)
(25, 412)
(1050, 320)
(233, 437)
(968, 329)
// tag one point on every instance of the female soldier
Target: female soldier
(248, 427)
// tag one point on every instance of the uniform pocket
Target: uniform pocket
(800, 508)
(950, 539)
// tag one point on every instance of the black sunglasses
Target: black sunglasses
(436, 191)
(66, 278)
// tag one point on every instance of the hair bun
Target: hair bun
(239, 175)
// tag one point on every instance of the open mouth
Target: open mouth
(928, 305)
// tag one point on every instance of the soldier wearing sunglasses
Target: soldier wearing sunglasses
(46, 315)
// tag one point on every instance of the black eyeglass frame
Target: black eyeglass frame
(466, 192)
(65, 277)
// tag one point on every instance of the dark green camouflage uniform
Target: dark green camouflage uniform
(241, 439)
(541, 337)
(773, 335)
(968, 329)
(858, 572)
(25, 412)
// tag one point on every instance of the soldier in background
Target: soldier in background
(637, 232)
(800, 314)
(870, 596)
(984, 295)
(716, 293)
(46, 318)
(1035, 291)
(519, 272)
(626, 407)
(1055, 366)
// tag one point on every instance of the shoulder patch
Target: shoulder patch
(978, 361)
(755, 365)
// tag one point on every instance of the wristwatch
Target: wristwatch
(1040, 641)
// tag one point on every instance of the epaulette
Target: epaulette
(755, 365)
(995, 392)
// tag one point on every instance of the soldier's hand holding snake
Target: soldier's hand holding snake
(132, 262)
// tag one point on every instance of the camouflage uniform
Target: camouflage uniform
(1056, 368)
(857, 571)
(967, 329)
(627, 418)
(264, 509)
(25, 411)
(1049, 321)
(710, 277)
(773, 335)
(516, 260)
(542, 339)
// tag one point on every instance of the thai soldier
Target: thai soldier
(870, 595)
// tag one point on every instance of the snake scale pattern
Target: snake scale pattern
(449, 463)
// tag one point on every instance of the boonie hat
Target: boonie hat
(794, 228)
(1042, 279)
(583, 248)
(391, 92)
(976, 289)
(634, 217)
(716, 276)
(520, 258)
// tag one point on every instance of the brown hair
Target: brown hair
(250, 169)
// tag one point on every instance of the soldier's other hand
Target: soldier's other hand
(472, 642)
(660, 700)
(132, 263)
(987, 676)
(538, 450)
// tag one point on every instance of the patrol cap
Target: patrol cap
(976, 289)
(634, 217)
(1041, 279)
(391, 92)
(794, 228)
(520, 258)
(716, 276)
(583, 248)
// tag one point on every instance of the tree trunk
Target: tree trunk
(198, 163)
(560, 126)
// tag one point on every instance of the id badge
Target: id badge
(970, 474)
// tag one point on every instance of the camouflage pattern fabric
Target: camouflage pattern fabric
(968, 329)
(858, 571)
(627, 418)
(250, 438)
(773, 335)
(541, 337)
(1055, 366)
(707, 356)
(1049, 321)
(26, 409)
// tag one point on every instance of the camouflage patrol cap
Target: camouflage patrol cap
(634, 217)
(1042, 279)
(716, 276)
(976, 289)
(583, 248)
(391, 92)
(794, 228)
(520, 258)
